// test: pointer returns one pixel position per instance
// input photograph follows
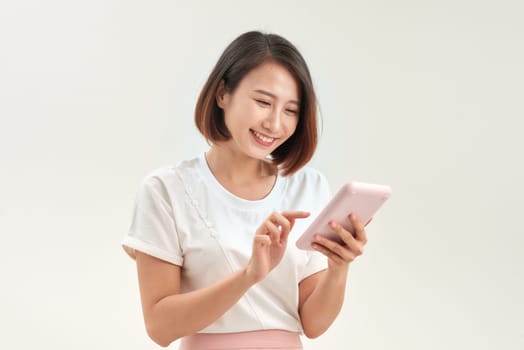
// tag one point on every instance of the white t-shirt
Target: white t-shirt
(183, 215)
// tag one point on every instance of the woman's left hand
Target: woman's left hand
(340, 255)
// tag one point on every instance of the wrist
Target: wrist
(338, 273)
(247, 277)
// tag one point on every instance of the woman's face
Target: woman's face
(262, 112)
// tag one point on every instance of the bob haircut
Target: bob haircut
(245, 53)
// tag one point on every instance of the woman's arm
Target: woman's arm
(170, 315)
(320, 298)
(321, 295)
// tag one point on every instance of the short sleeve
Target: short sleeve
(324, 191)
(316, 262)
(153, 229)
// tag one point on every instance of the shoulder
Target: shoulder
(308, 184)
(168, 178)
(308, 177)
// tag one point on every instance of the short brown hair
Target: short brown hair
(245, 53)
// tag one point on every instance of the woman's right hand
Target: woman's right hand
(270, 241)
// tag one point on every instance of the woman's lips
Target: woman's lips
(262, 139)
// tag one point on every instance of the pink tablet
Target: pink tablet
(354, 197)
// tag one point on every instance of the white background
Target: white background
(425, 96)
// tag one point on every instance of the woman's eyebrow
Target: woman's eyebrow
(267, 93)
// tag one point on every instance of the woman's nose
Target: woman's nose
(272, 121)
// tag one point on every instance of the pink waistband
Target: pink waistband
(259, 340)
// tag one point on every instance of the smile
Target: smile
(262, 139)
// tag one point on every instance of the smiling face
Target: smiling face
(262, 112)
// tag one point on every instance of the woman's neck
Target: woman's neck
(235, 168)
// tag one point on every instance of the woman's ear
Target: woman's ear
(221, 95)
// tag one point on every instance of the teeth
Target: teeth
(263, 138)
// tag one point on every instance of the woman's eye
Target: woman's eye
(292, 111)
(262, 102)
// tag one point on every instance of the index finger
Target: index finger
(292, 216)
(296, 214)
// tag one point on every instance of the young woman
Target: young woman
(214, 236)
